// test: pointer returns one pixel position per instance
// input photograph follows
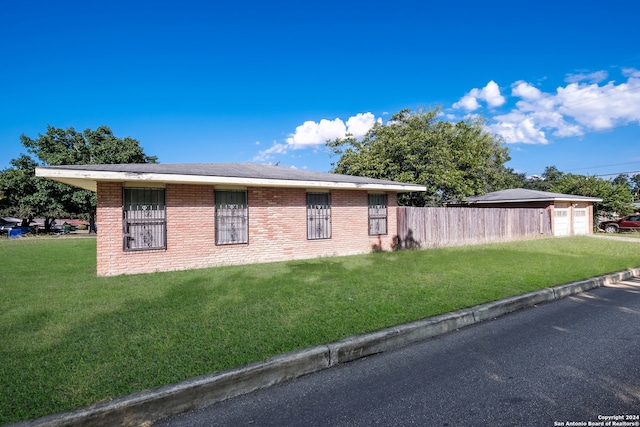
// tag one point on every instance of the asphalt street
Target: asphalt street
(571, 362)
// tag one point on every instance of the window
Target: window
(232, 217)
(318, 216)
(144, 219)
(377, 214)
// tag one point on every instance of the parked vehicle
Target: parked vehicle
(14, 230)
(628, 223)
(6, 226)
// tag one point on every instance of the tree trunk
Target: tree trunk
(92, 222)
(48, 222)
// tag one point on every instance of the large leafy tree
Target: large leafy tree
(453, 160)
(27, 196)
(100, 146)
(616, 194)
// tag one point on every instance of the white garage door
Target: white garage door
(580, 221)
(561, 225)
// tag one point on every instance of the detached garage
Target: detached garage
(571, 215)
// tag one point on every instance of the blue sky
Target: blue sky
(268, 82)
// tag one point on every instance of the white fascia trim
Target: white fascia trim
(67, 174)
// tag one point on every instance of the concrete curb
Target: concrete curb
(495, 309)
(352, 348)
(145, 407)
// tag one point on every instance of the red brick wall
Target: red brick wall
(109, 223)
(277, 229)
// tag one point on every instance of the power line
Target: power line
(618, 173)
(604, 166)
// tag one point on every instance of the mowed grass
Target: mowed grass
(69, 338)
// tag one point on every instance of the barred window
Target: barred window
(377, 214)
(144, 219)
(318, 216)
(232, 217)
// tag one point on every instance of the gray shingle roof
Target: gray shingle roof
(237, 170)
(248, 171)
(525, 195)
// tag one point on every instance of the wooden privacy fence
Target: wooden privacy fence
(435, 227)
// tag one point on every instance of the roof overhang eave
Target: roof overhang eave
(485, 202)
(88, 180)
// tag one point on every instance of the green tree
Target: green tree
(100, 146)
(27, 196)
(635, 187)
(453, 160)
(544, 182)
(622, 179)
(616, 195)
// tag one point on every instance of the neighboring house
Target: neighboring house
(571, 215)
(163, 217)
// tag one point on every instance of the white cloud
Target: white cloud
(596, 77)
(517, 127)
(359, 125)
(631, 72)
(583, 105)
(525, 90)
(489, 94)
(312, 134)
(267, 155)
(467, 102)
(601, 107)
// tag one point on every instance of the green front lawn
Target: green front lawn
(69, 338)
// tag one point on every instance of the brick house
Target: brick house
(163, 217)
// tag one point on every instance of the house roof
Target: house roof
(524, 195)
(241, 174)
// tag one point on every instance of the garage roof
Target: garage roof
(525, 195)
(247, 174)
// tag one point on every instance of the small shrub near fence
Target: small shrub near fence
(436, 227)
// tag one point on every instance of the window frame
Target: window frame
(318, 217)
(224, 235)
(144, 216)
(377, 214)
